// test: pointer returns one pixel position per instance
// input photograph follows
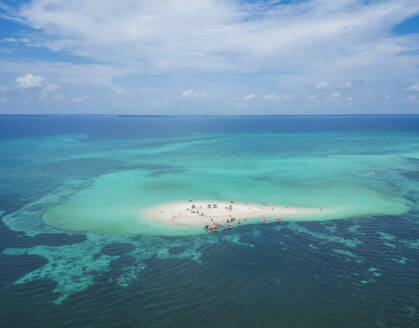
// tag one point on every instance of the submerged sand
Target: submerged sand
(201, 213)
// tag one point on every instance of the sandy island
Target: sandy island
(201, 213)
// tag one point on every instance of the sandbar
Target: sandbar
(203, 212)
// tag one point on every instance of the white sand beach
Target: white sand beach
(203, 212)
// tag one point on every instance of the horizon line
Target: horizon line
(205, 115)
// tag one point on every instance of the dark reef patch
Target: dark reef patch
(121, 262)
(176, 250)
(12, 267)
(14, 239)
(117, 249)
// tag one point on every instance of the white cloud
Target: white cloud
(64, 72)
(249, 97)
(348, 85)
(50, 88)
(51, 91)
(334, 97)
(79, 99)
(192, 93)
(220, 34)
(412, 99)
(349, 99)
(3, 89)
(14, 40)
(42, 89)
(321, 85)
(313, 98)
(30, 81)
(274, 96)
(325, 45)
(413, 87)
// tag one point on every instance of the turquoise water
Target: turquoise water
(241, 167)
(253, 168)
(74, 189)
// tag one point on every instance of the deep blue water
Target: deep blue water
(171, 126)
(357, 272)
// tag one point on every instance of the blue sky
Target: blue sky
(209, 56)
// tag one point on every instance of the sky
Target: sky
(209, 57)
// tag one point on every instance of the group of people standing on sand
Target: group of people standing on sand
(229, 224)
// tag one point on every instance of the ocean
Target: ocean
(73, 251)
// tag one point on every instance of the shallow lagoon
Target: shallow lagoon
(113, 203)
